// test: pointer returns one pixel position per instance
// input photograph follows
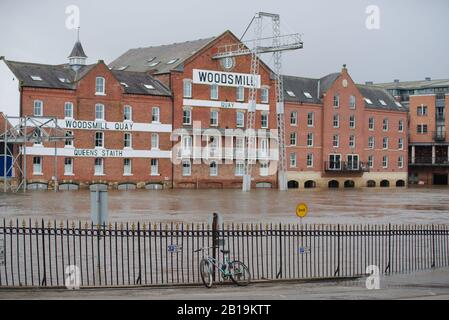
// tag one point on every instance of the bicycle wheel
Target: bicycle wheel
(206, 272)
(240, 274)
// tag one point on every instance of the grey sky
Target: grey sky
(412, 42)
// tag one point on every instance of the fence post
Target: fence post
(279, 273)
(215, 240)
(44, 279)
(387, 268)
(337, 271)
(139, 278)
(433, 246)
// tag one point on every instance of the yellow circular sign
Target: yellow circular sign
(302, 210)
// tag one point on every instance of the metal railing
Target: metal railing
(429, 161)
(345, 166)
(439, 136)
(154, 254)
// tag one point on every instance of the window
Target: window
(240, 120)
(68, 166)
(352, 102)
(264, 120)
(36, 78)
(154, 169)
(37, 110)
(385, 143)
(309, 160)
(213, 146)
(37, 165)
(351, 141)
(239, 147)
(422, 128)
(336, 121)
(155, 114)
(172, 61)
(99, 112)
(99, 166)
(352, 121)
(99, 139)
(99, 85)
(385, 125)
(127, 140)
(370, 161)
(307, 95)
(291, 93)
(293, 139)
(401, 125)
(186, 168)
(240, 94)
(214, 92)
(68, 143)
(239, 169)
(401, 144)
(187, 146)
(213, 169)
(264, 95)
(154, 141)
(187, 88)
(385, 162)
(352, 161)
(310, 119)
(382, 102)
(127, 171)
(371, 142)
(422, 110)
(336, 101)
(68, 110)
(368, 101)
(149, 86)
(293, 118)
(371, 123)
(334, 162)
(263, 147)
(293, 160)
(127, 113)
(263, 170)
(214, 118)
(310, 139)
(187, 117)
(400, 162)
(335, 140)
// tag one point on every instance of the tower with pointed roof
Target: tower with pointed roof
(77, 57)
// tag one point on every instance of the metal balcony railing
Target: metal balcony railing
(439, 136)
(345, 166)
(429, 161)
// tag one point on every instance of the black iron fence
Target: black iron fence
(39, 254)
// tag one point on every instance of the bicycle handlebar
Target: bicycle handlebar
(205, 248)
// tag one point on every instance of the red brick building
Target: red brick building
(216, 106)
(427, 101)
(120, 121)
(339, 133)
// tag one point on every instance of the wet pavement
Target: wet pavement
(432, 284)
(355, 206)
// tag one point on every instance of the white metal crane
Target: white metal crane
(279, 44)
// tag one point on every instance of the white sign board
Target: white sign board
(227, 79)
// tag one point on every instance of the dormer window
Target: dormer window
(124, 84)
(100, 86)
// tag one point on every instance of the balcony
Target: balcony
(346, 167)
(439, 136)
(430, 161)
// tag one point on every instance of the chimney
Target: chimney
(428, 78)
(396, 80)
(344, 69)
(369, 82)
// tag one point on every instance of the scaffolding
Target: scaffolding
(20, 131)
(276, 45)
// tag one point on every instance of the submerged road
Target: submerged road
(432, 284)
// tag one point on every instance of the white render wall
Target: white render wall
(9, 91)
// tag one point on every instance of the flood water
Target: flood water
(401, 206)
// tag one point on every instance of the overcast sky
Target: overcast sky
(411, 43)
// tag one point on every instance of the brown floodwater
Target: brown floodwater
(401, 206)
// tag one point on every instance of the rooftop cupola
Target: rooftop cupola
(77, 57)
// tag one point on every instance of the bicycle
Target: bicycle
(235, 270)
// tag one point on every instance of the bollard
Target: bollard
(99, 204)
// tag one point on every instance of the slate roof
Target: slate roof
(140, 59)
(51, 74)
(77, 51)
(412, 85)
(299, 85)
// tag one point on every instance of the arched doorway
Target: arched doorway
(371, 184)
(309, 184)
(349, 184)
(292, 184)
(333, 184)
(385, 183)
(400, 183)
